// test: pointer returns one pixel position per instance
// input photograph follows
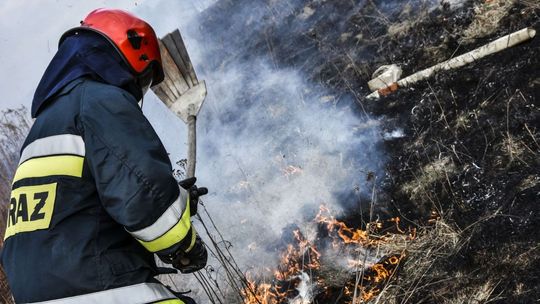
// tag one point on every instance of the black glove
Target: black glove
(187, 300)
(194, 260)
(194, 193)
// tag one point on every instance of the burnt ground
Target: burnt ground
(469, 154)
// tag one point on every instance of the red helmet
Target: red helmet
(133, 38)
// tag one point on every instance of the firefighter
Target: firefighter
(93, 197)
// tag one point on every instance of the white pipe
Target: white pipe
(459, 61)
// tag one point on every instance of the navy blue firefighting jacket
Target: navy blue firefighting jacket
(93, 199)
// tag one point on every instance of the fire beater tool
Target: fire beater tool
(184, 94)
(181, 91)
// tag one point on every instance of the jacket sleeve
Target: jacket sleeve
(133, 173)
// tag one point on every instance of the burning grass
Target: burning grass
(432, 246)
(341, 264)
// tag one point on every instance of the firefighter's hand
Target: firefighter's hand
(194, 260)
(194, 193)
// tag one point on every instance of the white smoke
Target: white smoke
(306, 290)
(272, 147)
(277, 157)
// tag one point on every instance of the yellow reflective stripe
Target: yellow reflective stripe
(69, 165)
(165, 221)
(30, 209)
(176, 234)
(174, 301)
(193, 238)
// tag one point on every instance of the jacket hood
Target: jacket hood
(85, 54)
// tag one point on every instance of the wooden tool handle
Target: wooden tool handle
(192, 145)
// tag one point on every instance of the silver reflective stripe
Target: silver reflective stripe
(135, 294)
(166, 221)
(54, 145)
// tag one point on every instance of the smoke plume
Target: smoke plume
(273, 145)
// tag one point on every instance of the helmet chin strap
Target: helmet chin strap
(144, 90)
(141, 102)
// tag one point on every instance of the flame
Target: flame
(295, 261)
(434, 217)
(375, 278)
(299, 257)
(346, 234)
(298, 277)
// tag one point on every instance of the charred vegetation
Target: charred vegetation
(464, 170)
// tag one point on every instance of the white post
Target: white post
(459, 61)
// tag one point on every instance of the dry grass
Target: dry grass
(5, 294)
(481, 294)
(420, 272)
(532, 4)
(513, 148)
(14, 125)
(410, 18)
(488, 14)
(429, 174)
